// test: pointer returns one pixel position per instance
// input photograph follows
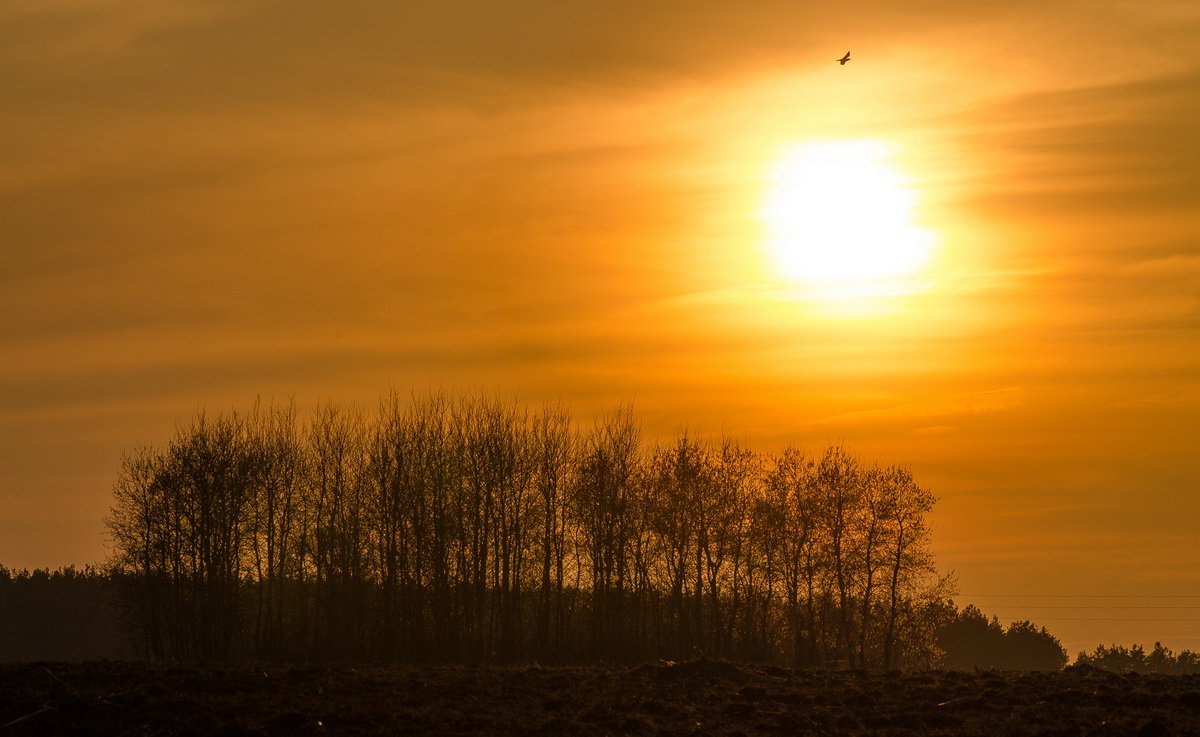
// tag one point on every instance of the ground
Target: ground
(660, 700)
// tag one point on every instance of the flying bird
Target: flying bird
(844, 59)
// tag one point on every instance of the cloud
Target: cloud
(173, 53)
(1176, 265)
(75, 36)
(933, 430)
(1186, 395)
(1123, 147)
(996, 400)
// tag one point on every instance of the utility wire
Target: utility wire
(1102, 619)
(1084, 596)
(1093, 606)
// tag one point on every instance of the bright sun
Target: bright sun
(839, 217)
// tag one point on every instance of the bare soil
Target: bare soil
(695, 698)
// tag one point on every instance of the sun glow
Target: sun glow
(839, 218)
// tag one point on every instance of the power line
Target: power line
(1085, 596)
(1102, 619)
(1095, 606)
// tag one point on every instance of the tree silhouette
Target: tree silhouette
(1135, 659)
(467, 528)
(65, 614)
(971, 641)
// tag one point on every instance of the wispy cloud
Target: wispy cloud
(77, 35)
(1187, 395)
(996, 400)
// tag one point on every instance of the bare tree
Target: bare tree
(472, 528)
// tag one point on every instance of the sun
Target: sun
(839, 217)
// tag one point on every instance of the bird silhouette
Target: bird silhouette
(844, 59)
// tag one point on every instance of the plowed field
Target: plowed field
(695, 698)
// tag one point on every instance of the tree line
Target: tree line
(71, 614)
(1135, 659)
(969, 641)
(66, 614)
(468, 528)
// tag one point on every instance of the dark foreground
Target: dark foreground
(696, 698)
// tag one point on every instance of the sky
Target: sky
(204, 201)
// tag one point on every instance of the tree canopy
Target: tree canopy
(466, 528)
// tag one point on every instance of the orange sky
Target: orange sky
(205, 201)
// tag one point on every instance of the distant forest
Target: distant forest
(1160, 659)
(469, 529)
(970, 640)
(68, 614)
